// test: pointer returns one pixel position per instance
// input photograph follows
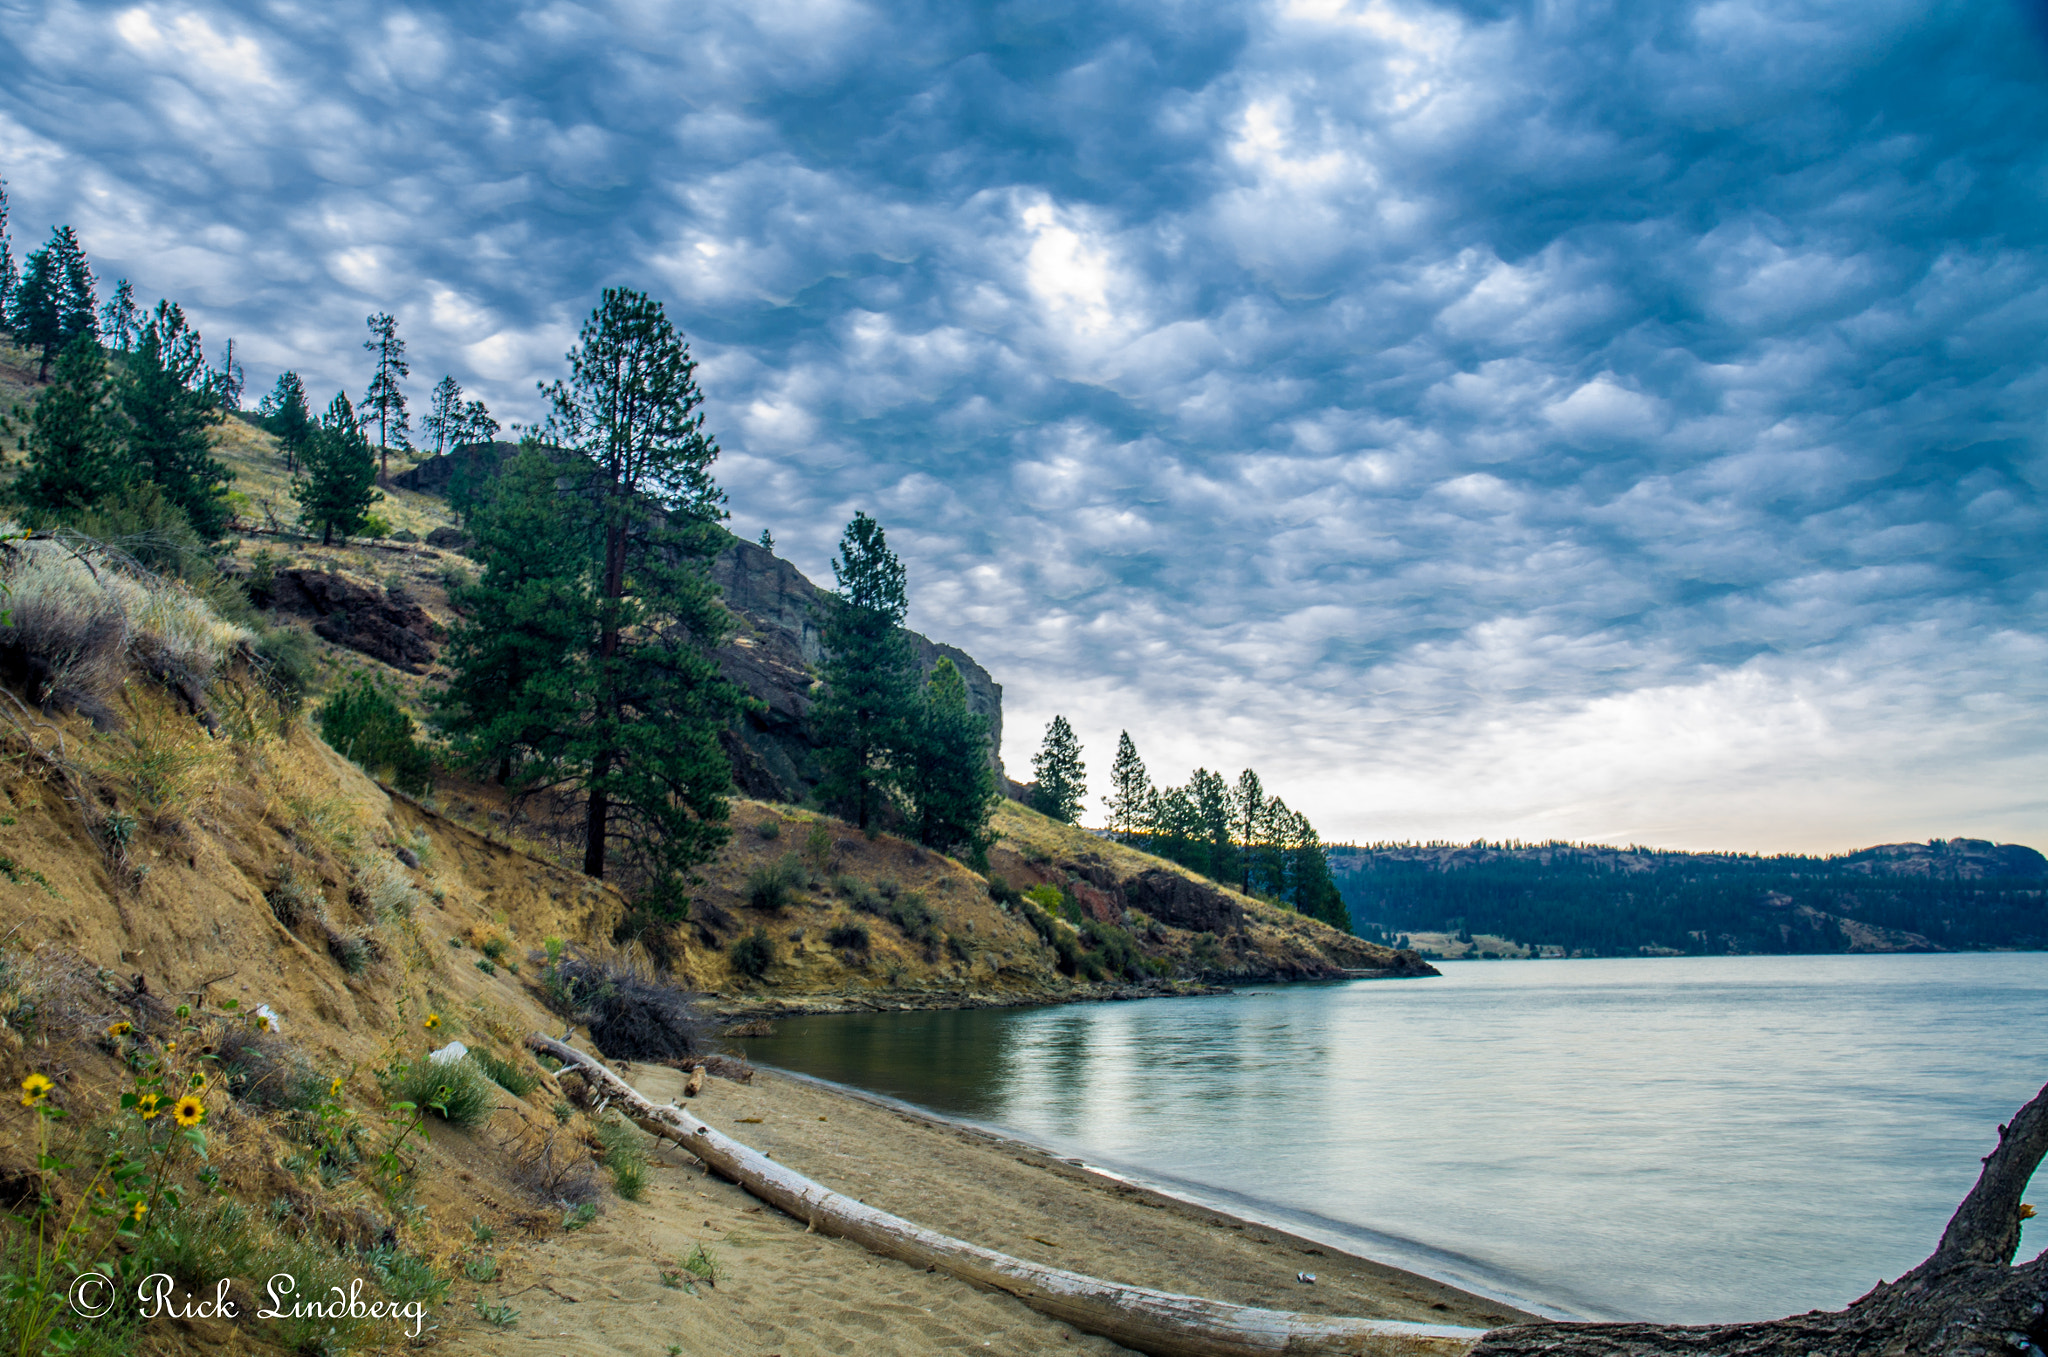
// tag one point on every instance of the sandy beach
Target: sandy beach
(781, 1290)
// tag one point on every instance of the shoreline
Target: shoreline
(1232, 1209)
(618, 1285)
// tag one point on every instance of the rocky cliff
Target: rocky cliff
(774, 656)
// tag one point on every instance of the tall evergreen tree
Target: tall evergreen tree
(1209, 794)
(56, 303)
(649, 742)
(75, 457)
(476, 425)
(526, 633)
(1247, 815)
(443, 423)
(287, 415)
(946, 774)
(120, 318)
(10, 272)
(1130, 789)
(338, 484)
(228, 381)
(870, 673)
(384, 401)
(1062, 777)
(171, 406)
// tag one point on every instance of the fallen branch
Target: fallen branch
(1156, 1322)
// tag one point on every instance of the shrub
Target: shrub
(1115, 949)
(266, 1071)
(362, 722)
(957, 945)
(752, 954)
(459, 1092)
(771, 885)
(295, 896)
(624, 1156)
(404, 1275)
(632, 1013)
(851, 936)
(770, 830)
(1000, 891)
(818, 847)
(284, 664)
(918, 921)
(504, 1073)
(197, 1245)
(385, 887)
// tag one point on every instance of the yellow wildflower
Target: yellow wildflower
(148, 1105)
(34, 1089)
(189, 1111)
(141, 1210)
(433, 1021)
(334, 1089)
(197, 1083)
(120, 1029)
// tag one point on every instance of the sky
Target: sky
(1613, 420)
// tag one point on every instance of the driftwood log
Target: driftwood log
(1966, 1299)
(1157, 1322)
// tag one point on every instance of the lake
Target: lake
(1681, 1139)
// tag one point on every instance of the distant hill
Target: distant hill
(1593, 900)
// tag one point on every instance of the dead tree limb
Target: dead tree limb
(1157, 1322)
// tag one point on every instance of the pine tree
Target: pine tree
(287, 415)
(384, 402)
(74, 453)
(228, 381)
(338, 484)
(870, 673)
(1210, 795)
(10, 273)
(766, 540)
(443, 423)
(55, 303)
(477, 426)
(946, 774)
(649, 741)
(1062, 777)
(1130, 789)
(120, 319)
(522, 648)
(171, 407)
(1247, 816)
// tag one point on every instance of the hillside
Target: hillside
(1588, 899)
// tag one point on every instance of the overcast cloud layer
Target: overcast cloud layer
(1614, 419)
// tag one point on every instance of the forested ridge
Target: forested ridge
(1595, 900)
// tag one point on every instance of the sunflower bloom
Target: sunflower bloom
(433, 1021)
(188, 1111)
(148, 1105)
(197, 1083)
(34, 1089)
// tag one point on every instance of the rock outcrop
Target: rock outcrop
(385, 624)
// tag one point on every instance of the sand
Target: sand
(781, 1290)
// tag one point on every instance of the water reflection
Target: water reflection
(1670, 1139)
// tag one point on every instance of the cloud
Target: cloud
(1603, 421)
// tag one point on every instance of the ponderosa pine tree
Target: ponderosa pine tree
(287, 415)
(170, 406)
(337, 484)
(9, 272)
(55, 302)
(228, 380)
(1130, 789)
(1247, 821)
(476, 425)
(1061, 776)
(946, 773)
(526, 631)
(75, 458)
(444, 415)
(120, 318)
(647, 745)
(864, 716)
(1209, 794)
(384, 401)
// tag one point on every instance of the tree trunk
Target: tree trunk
(594, 823)
(1150, 1321)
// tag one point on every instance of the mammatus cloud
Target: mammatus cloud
(1485, 418)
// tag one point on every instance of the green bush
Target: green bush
(1001, 891)
(1115, 949)
(771, 885)
(769, 829)
(852, 936)
(917, 919)
(197, 1245)
(459, 1092)
(405, 1275)
(753, 953)
(504, 1073)
(363, 723)
(625, 1156)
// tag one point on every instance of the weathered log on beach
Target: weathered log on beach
(1966, 1300)
(1150, 1321)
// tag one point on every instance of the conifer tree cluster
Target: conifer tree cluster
(1233, 833)
(896, 743)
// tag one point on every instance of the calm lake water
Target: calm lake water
(1683, 1139)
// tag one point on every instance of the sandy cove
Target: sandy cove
(782, 1290)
